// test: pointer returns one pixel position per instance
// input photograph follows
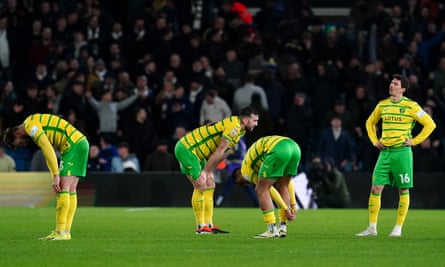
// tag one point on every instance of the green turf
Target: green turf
(165, 237)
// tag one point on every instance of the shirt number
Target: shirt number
(404, 178)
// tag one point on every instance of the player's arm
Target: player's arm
(293, 198)
(371, 123)
(428, 126)
(217, 156)
(48, 152)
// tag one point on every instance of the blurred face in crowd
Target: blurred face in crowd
(117, 27)
(94, 151)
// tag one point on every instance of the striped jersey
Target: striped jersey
(204, 140)
(48, 131)
(255, 156)
(398, 119)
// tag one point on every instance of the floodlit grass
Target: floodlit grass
(165, 237)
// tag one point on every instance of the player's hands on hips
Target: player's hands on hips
(379, 145)
(408, 142)
(56, 184)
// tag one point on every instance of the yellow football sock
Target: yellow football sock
(71, 211)
(402, 211)
(198, 206)
(208, 206)
(269, 216)
(373, 207)
(63, 205)
(282, 215)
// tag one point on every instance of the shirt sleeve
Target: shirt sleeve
(37, 134)
(428, 125)
(371, 123)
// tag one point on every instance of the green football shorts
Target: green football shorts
(281, 161)
(189, 163)
(74, 161)
(394, 167)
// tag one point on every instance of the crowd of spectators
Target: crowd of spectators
(136, 75)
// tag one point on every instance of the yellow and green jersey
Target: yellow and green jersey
(48, 131)
(204, 140)
(398, 119)
(255, 156)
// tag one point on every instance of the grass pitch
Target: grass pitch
(165, 237)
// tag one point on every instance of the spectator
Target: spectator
(40, 77)
(107, 152)
(161, 159)
(213, 108)
(95, 162)
(295, 82)
(33, 102)
(343, 113)
(40, 50)
(140, 133)
(124, 162)
(323, 92)
(299, 124)
(7, 163)
(276, 97)
(243, 95)
(8, 96)
(179, 131)
(5, 54)
(222, 86)
(335, 142)
(74, 99)
(180, 111)
(107, 111)
(233, 68)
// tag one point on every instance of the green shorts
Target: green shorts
(189, 163)
(394, 167)
(74, 161)
(282, 161)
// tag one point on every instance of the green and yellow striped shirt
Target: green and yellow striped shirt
(48, 131)
(204, 140)
(255, 156)
(398, 120)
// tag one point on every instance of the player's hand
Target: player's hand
(408, 142)
(291, 213)
(56, 184)
(379, 145)
(201, 182)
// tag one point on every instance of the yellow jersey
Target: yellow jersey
(204, 140)
(48, 131)
(255, 156)
(398, 120)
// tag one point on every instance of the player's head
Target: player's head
(13, 138)
(249, 118)
(403, 80)
(238, 177)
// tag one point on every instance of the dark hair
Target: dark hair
(403, 80)
(248, 111)
(123, 144)
(8, 137)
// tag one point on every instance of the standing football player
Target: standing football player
(394, 165)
